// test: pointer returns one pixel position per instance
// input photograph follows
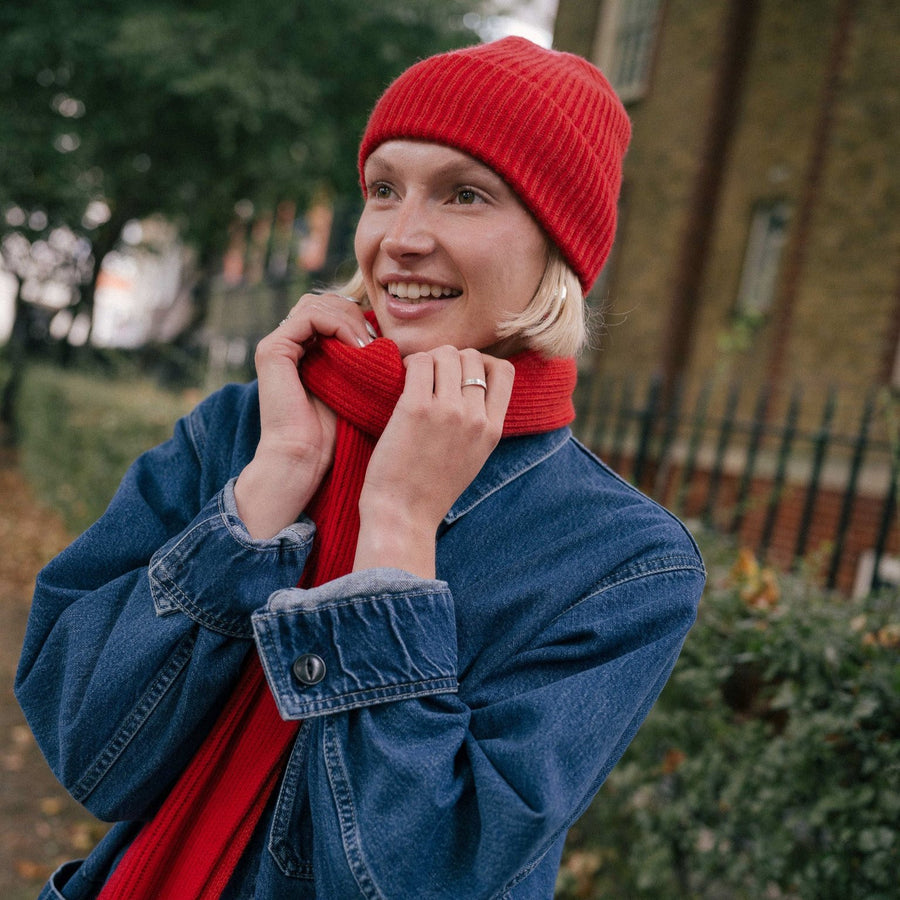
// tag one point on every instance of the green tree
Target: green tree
(115, 110)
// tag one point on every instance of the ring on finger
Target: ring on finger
(474, 382)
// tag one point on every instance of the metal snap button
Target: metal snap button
(309, 669)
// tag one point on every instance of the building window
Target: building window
(626, 36)
(765, 242)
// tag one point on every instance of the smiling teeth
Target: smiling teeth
(412, 291)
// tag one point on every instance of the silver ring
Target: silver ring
(475, 382)
(288, 316)
(348, 299)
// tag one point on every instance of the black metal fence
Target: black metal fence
(804, 479)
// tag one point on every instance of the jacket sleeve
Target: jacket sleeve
(138, 630)
(481, 775)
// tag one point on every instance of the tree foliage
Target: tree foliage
(183, 108)
(117, 110)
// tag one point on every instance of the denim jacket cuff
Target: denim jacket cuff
(217, 574)
(369, 637)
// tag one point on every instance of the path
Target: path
(40, 826)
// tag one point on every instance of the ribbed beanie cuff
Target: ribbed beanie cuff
(548, 122)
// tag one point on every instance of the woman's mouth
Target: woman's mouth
(412, 292)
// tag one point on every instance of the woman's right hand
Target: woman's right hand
(296, 446)
(446, 424)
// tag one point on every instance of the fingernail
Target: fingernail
(361, 342)
(372, 332)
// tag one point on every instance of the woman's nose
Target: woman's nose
(410, 231)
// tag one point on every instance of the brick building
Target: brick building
(759, 236)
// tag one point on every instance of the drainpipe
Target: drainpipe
(739, 30)
(795, 256)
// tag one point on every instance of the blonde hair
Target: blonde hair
(555, 321)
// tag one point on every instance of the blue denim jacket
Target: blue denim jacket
(462, 724)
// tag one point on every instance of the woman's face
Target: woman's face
(445, 247)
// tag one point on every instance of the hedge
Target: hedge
(78, 433)
(770, 766)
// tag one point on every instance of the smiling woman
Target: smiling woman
(376, 625)
(446, 250)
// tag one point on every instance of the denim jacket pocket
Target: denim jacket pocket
(290, 837)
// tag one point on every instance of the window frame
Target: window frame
(625, 44)
(763, 253)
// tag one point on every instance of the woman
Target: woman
(461, 615)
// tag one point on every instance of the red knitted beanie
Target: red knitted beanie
(548, 122)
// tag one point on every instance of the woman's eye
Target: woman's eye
(466, 196)
(381, 191)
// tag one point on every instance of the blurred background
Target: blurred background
(174, 174)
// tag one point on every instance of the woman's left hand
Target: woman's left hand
(438, 438)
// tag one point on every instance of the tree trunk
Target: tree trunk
(105, 239)
(17, 354)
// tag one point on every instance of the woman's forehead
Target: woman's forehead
(396, 154)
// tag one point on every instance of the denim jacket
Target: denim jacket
(462, 724)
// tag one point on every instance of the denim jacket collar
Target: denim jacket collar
(512, 457)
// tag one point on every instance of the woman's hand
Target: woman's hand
(438, 438)
(296, 446)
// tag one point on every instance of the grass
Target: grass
(78, 433)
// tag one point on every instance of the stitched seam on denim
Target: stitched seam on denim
(523, 873)
(267, 647)
(233, 627)
(135, 720)
(160, 573)
(441, 596)
(338, 703)
(163, 603)
(457, 514)
(645, 570)
(196, 433)
(279, 845)
(214, 519)
(627, 484)
(659, 566)
(337, 777)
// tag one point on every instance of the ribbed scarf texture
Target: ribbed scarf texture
(189, 849)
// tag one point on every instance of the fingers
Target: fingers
(326, 315)
(474, 380)
(499, 374)
(284, 404)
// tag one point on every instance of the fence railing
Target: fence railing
(808, 479)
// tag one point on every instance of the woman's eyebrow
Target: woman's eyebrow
(456, 170)
(471, 171)
(382, 162)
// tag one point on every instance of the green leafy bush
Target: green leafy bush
(78, 433)
(771, 765)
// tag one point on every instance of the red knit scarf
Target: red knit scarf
(189, 850)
